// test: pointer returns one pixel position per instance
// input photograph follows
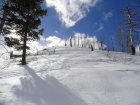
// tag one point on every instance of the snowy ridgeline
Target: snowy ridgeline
(71, 76)
(78, 40)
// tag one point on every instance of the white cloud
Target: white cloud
(100, 27)
(57, 32)
(54, 41)
(42, 38)
(34, 45)
(86, 39)
(94, 25)
(107, 15)
(71, 11)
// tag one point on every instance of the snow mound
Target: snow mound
(71, 76)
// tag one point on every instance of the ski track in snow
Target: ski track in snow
(72, 76)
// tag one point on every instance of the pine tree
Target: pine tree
(23, 17)
(2, 14)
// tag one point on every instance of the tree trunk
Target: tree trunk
(120, 35)
(78, 41)
(65, 43)
(131, 30)
(101, 45)
(71, 42)
(92, 49)
(133, 50)
(122, 48)
(24, 50)
(101, 41)
(74, 40)
(127, 44)
(112, 43)
(11, 54)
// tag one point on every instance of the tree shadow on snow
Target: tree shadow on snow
(45, 92)
(133, 71)
(2, 103)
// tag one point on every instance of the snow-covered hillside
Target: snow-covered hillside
(71, 76)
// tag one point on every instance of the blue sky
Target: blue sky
(91, 17)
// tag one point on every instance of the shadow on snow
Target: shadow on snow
(45, 92)
(2, 103)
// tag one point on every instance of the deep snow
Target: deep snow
(71, 76)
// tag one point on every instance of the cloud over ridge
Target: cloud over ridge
(71, 11)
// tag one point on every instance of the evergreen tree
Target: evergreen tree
(2, 14)
(23, 17)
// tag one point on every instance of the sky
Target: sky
(66, 18)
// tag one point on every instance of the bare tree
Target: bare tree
(93, 44)
(70, 41)
(101, 41)
(78, 41)
(65, 43)
(74, 39)
(138, 41)
(127, 44)
(87, 43)
(85, 38)
(82, 44)
(132, 20)
(92, 49)
(130, 25)
(120, 35)
(112, 41)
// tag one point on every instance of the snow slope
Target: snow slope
(71, 76)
